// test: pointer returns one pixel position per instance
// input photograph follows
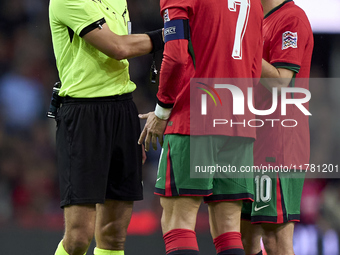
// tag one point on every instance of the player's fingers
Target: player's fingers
(143, 154)
(142, 136)
(147, 141)
(143, 116)
(154, 141)
(160, 140)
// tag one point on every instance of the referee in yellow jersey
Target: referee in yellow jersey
(99, 160)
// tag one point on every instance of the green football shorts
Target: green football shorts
(198, 166)
(277, 198)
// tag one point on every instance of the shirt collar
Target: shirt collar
(277, 7)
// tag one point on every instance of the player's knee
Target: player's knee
(179, 212)
(112, 236)
(163, 221)
(78, 238)
(77, 243)
(230, 220)
(77, 247)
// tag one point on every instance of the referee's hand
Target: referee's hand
(153, 129)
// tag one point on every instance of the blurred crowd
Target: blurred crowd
(29, 195)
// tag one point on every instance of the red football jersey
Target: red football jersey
(227, 42)
(288, 43)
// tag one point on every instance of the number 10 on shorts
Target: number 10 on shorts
(263, 186)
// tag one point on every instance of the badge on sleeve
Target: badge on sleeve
(166, 15)
(289, 39)
(129, 26)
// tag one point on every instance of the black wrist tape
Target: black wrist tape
(156, 37)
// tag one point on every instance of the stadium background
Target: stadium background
(31, 221)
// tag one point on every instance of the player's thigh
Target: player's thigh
(174, 176)
(279, 230)
(179, 212)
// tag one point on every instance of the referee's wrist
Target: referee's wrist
(162, 113)
(156, 37)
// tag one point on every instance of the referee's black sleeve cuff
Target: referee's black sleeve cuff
(156, 39)
(160, 103)
(92, 26)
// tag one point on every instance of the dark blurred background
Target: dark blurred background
(31, 221)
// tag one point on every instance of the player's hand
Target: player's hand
(153, 129)
(143, 154)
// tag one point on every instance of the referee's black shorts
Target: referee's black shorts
(98, 156)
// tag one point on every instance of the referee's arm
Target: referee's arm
(116, 46)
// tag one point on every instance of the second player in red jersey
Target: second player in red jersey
(287, 53)
(288, 44)
(203, 39)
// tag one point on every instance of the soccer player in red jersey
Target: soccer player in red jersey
(287, 53)
(203, 39)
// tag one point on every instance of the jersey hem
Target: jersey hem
(274, 219)
(229, 197)
(184, 192)
(289, 66)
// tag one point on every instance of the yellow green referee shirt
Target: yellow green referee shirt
(83, 70)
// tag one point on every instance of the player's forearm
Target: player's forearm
(170, 82)
(171, 75)
(173, 71)
(272, 77)
(171, 78)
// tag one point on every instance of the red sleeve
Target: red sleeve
(289, 43)
(175, 57)
(257, 63)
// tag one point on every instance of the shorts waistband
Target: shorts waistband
(71, 100)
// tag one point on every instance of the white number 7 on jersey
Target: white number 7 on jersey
(241, 24)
